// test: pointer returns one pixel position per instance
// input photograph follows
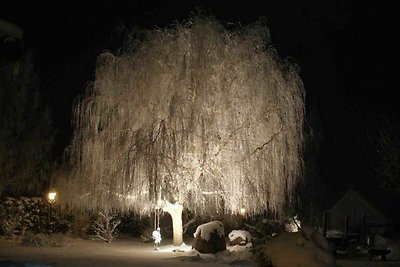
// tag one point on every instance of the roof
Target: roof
(352, 194)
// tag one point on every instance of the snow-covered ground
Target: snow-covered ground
(121, 252)
(133, 252)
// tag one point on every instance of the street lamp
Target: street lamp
(51, 198)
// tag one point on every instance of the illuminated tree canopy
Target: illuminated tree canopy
(197, 114)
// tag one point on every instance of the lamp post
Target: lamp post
(51, 198)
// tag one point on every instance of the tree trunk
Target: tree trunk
(175, 210)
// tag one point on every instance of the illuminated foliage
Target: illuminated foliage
(196, 114)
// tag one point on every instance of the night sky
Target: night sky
(348, 55)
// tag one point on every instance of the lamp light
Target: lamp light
(51, 197)
(242, 211)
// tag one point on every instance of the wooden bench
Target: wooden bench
(378, 252)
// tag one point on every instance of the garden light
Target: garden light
(51, 197)
(242, 211)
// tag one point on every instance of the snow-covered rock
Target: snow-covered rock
(206, 229)
(210, 237)
(239, 237)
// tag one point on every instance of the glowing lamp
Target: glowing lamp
(242, 211)
(51, 197)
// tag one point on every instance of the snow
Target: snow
(301, 249)
(245, 235)
(124, 252)
(293, 225)
(206, 229)
(233, 255)
(121, 252)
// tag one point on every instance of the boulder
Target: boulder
(210, 238)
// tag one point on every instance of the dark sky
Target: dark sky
(348, 54)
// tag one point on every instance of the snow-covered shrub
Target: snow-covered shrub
(58, 240)
(293, 224)
(232, 222)
(104, 226)
(11, 217)
(35, 240)
(80, 224)
(17, 216)
(42, 239)
(262, 228)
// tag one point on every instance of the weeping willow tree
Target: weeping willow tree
(194, 114)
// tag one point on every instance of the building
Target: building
(360, 215)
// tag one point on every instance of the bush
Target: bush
(41, 240)
(18, 216)
(80, 225)
(104, 226)
(132, 224)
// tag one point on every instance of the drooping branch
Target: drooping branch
(183, 115)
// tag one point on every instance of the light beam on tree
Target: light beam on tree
(175, 210)
(194, 114)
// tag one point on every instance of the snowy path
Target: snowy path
(121, 252)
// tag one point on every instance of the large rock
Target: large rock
(210, 238)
